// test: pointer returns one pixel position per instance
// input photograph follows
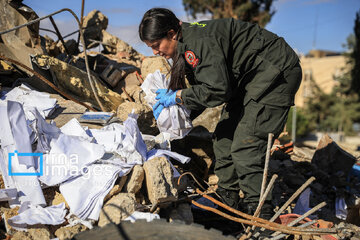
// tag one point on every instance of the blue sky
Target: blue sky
(305, 24)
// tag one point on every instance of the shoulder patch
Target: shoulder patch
(191, 58)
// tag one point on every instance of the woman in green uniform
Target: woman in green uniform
(253, 71)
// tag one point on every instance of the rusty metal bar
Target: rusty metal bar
(81, 38)
(308, 213)
(263, 221)
(266, 167)
(59, 34)
(82, 12)
(301, 226)
(47, 30)
(261, 202)
(289, 201)
(81, 18)
(192, 175)
(141, 80)
(72, 33)
(127, 95)
(46, 81)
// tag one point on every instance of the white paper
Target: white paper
(31, 99)
(44, 132)
(142, 215)
(27, 184)
(8, 194)
(85, 194)
(33, 214)
(175, 119)
(68, 157)
(21, 132)
(73, 128)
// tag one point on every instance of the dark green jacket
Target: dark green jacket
(232, 59)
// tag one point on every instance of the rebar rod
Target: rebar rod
(301, 226)
(272, 226)
(289, 201)
(59, 35)
(127, 94)
(263, 221)
(262, 201)
(81, 38)
(308, 213)
(266, 167)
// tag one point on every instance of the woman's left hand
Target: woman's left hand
(167, 98)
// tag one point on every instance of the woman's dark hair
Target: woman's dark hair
(155, 25)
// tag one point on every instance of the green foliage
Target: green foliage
(304, 124)
(355, 73)
(256, 11)
(340, 109)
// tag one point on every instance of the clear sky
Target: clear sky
(305, 24)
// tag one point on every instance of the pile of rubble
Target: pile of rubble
(117, 76)
(47, 88)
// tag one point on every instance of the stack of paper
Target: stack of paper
(85, 195)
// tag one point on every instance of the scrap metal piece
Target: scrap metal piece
(59, 35)
(82, 41)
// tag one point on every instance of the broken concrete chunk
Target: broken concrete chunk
(65, 233)
(213, 179)
(114, 45)
(51, 47)
(59, 198)
(136, 178)
(39, 233)
(117, 208)
(151, 64)
(19, 44)
(182, 213)
(71, 45)
(146, 120)
(331, 159)
(93, 24)
(6, 214)
(21, 236)
(159, 180)
(209, 118)
(117, 188)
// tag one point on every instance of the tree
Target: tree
(355, 73)
(339, 110)
(255, 11)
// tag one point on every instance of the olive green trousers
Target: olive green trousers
(240, 142)
(240, 138)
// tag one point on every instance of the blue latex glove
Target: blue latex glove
(160, 92)
(157, 108)
(166, 98)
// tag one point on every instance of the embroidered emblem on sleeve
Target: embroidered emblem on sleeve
(191, 58)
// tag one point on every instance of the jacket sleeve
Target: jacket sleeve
(213, 83)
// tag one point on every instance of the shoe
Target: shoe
(267, 211)
(229, 197)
